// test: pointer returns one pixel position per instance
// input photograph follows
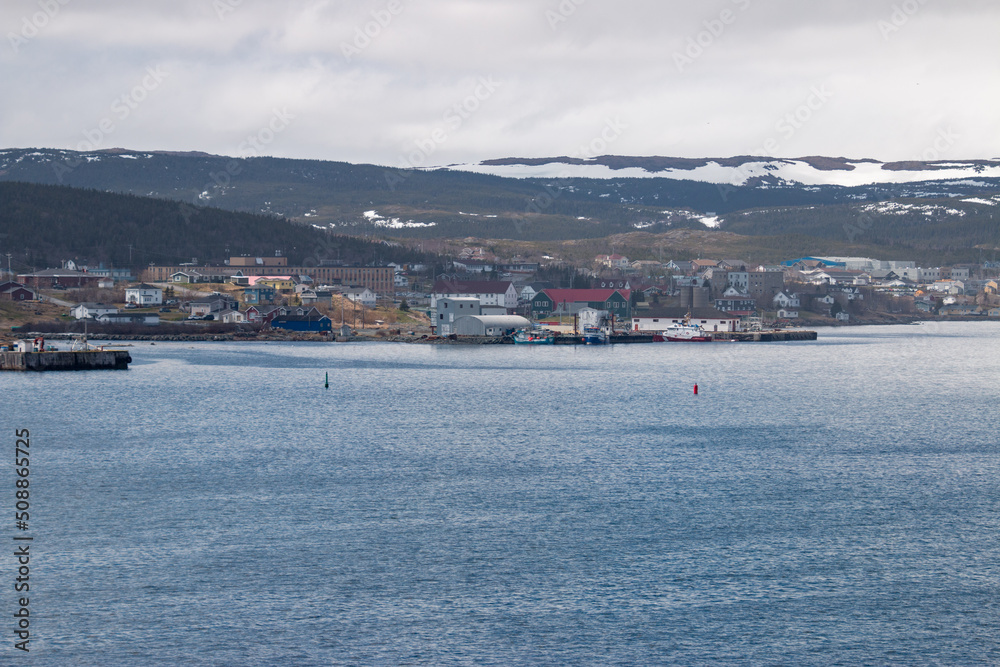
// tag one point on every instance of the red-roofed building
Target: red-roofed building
(569, 301)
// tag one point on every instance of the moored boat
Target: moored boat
(594, 336)
(683, 333)
(538, 337)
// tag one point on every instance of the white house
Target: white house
(786, 300)
(92, 310)
(491, 293)
(361, 295)
(232, 316)
(613, 261)
(144, 295)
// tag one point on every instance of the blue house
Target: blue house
(302, 323)
(258, 294)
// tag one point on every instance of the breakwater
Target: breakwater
(65, 361)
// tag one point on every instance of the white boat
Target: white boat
(683, 333)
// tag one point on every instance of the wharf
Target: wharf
(721, 336)
(764, 336)
(90, 360)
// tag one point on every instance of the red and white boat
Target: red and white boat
(683, 333)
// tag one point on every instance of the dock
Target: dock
(89, 360)
(764, 336)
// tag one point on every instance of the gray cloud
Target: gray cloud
(397, 81)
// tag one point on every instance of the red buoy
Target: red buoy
(696, 390)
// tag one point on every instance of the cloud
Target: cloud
(367, 81)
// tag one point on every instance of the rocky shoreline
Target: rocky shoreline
(380, 336)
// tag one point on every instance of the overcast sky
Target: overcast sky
(431, 82)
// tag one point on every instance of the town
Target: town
(477, 295)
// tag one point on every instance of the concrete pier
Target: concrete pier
(91, 360)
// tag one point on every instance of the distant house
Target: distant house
(144, 295)
(736, 302)
(304, 311)
(361, 295)
(50, 278)
(258, 314)
(259, 294)
(231, 317)
(786, 300)
(211, 306)
(570, 301)
(92, 311)
(321, 297)
(474, 265)
(279, 283)
(11, 291)
(613, 261)
(187, 277)
(501, 293)
(529, 291)
(960, 309)
(302, 323)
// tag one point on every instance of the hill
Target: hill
(42, 225)
(946, 216)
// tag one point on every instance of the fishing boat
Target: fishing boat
(683, 333)
(594, 336)
(536, 337)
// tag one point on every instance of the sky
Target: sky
(410, 83)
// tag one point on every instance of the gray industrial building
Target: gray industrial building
(488, 325)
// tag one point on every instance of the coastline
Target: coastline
(372, 336)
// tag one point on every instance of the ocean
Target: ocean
(822, 503)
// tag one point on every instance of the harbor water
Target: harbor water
(826, 502)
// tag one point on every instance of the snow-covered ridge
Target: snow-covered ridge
(851, 172)
(393, 223)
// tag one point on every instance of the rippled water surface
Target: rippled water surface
(835, 502)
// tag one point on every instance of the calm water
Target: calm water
(835, 502)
